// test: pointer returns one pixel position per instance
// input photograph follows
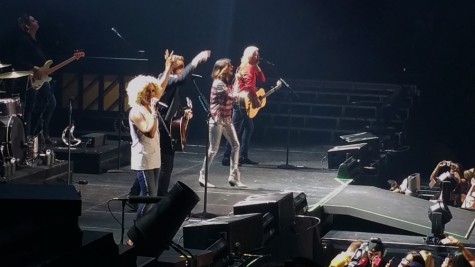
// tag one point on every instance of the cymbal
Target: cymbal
(15, 74)
(4, 65)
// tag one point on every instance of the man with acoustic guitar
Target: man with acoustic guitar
(41, 102)
(247, 74)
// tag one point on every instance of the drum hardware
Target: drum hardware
(33, 146)
(15, 74)
(70, 136)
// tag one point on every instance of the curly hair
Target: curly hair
(138, 84)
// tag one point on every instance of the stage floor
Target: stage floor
(310, 176)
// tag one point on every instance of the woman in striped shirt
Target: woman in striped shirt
(220, 122)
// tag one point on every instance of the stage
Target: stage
(344, 209)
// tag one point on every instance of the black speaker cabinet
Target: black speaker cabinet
(363, 137)
(339, 154)
(280, 205)
(243, 229)
(39, 220)
(94, 139)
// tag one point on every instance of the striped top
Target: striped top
(221, 101)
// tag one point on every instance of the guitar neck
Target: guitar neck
(60, 65)
(271, 91)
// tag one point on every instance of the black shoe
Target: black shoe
(247, 161)
(225, 161)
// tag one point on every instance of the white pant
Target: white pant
(218, 128)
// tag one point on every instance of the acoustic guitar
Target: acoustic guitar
(37, 83)
(245, 101)
(179, 127)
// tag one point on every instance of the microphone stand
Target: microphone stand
(70, 108)
(288, 166)
(289, 116)
(205, 105)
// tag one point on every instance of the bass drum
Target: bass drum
(12, 138)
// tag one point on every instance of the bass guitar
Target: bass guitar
(37, 83)
(179, 127)
(246, 104)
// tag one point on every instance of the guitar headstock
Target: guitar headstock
(189, 103)
(78, 54)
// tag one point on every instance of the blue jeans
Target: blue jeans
(148, 181)
(244, 127)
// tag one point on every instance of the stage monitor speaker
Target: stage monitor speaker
(94, 139)
(280, 205)
(340, 154)
(40, 219)
(363, 137)
(242, 232)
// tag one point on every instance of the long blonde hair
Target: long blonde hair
(247, 54)
(138, 84)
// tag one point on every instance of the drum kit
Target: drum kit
(13, 145)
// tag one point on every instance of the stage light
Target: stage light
(439, 215)
(347, 168)
(153, 232)
(300, 204)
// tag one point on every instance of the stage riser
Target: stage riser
(97, 159)
(56, 173)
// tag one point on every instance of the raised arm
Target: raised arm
(169, 63)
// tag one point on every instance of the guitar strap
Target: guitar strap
(162, 121)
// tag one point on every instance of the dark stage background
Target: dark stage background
(427, 43)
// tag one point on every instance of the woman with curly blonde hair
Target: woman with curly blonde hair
(143, 93)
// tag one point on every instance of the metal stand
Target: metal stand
(204, 214)
(70, 124)
(288, 166)
(119, 125)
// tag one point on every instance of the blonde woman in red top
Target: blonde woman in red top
(247, 75)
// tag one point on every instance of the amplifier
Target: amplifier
(363, 137)
(280, 205)
(245, 230)
(94, 139)
(339, 154)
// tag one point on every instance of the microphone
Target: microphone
(139, 199)
(284, 82)
(265, 61)
(116, 32)
(196, 76)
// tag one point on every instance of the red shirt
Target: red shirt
(246, 77)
